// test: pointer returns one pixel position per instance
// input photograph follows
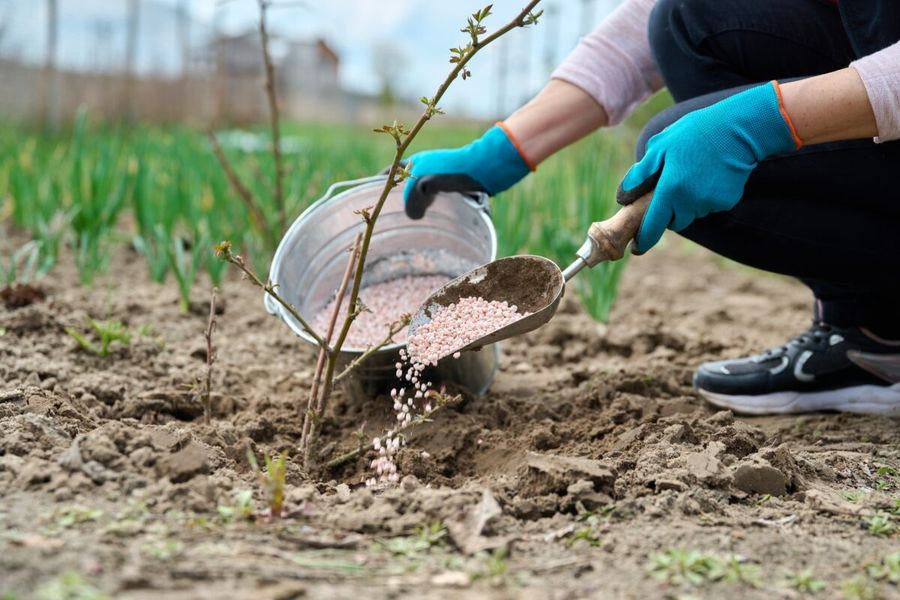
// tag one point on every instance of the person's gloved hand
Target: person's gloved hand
(492, 163)
(700, 163)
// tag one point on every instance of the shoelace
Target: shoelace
(817, 332)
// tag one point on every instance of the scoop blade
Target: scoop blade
(533, 284)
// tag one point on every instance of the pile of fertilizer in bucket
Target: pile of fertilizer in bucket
(385, 303)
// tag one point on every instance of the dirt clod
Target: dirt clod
(553, 474)
(21, 295)
(760, 478)
(186, 463)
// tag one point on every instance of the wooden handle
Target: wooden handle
(611, 236)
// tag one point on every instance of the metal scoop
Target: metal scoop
(534, 284)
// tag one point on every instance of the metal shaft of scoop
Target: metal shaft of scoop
(533, 284)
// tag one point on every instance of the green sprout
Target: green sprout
(242, 509)
(888, 569)
(107, 332)
(698, 568)
(880, 524)
(272, 480)
(805, 582)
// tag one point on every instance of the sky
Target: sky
(420, 32)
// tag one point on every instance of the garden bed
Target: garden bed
(589, 469)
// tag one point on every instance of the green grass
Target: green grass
(678, 566)
(96, 189)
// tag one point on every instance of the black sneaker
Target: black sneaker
(826, 368)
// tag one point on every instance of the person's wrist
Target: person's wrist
(795, 142)
(501, 162)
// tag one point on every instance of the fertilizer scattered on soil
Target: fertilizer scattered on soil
(451, 328)
(386, 303)
(456, 325)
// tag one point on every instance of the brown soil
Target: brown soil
(590, 455)
(19, 295)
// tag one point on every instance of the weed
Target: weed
(853, 496)
(427, 536)
(242, 509)
(69, 586)
(698, 568)
(163, 550)
(888, 569)
(805, 582)
(762, 499)
(70, 516)
(886, 471)
(24, 265)
(432, 534)
(493, 564)
(108, 332)
(880, 524)
(586, 534)
(858, 589)
(887, 476)
(272, 480)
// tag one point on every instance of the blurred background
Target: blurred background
(199, 60)
(118, 119)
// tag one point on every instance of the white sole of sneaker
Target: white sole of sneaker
(864, 399)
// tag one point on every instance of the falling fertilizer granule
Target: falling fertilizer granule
(451, 328)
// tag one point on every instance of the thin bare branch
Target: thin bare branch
(320, 364)
(243, 192)
(274, 117)
(440, 403)
(395, 328)
(520, 20)
(223, 251)
(210, 358)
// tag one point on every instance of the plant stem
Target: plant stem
(270, 289)
(320, 364)
(373, 349)
(274, 118)
(371, 218)
(210, 358)
(243, 192)
(392, 172)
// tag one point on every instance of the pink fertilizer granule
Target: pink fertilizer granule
(451, 328)
(457, 325)
(386, 303)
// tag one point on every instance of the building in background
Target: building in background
(141, 59)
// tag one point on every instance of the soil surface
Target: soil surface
(590, 469)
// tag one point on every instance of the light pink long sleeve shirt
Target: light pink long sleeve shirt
(615, 66)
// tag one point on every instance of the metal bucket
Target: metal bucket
(455, 236)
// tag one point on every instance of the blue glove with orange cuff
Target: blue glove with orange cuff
(491, 164)
(700, 163)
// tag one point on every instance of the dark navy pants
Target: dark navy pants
(828, 214)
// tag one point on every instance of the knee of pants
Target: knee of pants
(675, 30)
(656, 124)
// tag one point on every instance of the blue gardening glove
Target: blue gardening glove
(700, 163)
(490, 164)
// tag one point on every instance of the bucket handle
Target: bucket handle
(334, 187)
